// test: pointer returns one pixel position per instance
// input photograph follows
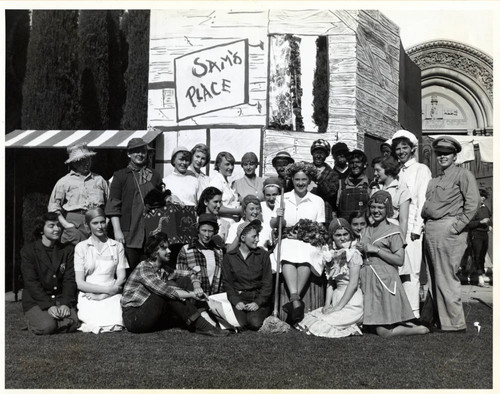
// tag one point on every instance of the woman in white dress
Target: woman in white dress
(100, 266)
(298, 257)
(343, 309)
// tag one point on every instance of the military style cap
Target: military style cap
(282, 155)
(446, 144)
(321, 144)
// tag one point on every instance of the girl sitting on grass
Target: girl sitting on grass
(343, 308)
(386, 307)
(100, 266)
(247, 277)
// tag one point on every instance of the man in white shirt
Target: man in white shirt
(416, 176)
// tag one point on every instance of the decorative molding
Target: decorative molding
(456, 46)
(449, 54)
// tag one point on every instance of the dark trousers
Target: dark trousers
(158, 313)
(41, 323)
(479, 245)
(134, 256)
(251, 320)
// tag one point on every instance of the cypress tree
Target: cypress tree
(50, 91)
(93, 44)
(102, 91)
(136, 28)
(17, 29)
(320, 85)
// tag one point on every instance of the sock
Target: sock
(201, 324)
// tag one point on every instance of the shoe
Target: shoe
(288, 308)
(212, 332)
(461, 331)
(480, 282)
(298, 313)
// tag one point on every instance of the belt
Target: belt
(246, 291)
(78, 211)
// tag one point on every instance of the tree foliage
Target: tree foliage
(50, 88)
(17, 29)
(320, 85)
(136, 28)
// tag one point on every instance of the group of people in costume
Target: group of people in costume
(360, 241)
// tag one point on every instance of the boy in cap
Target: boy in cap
(126, 199)
(340, 152)
(280, 162)
(327, 182)
(76, 192)
(452, 200)
(479, 227)
(354, 191)
(416, 177)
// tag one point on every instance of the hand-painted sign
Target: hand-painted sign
(211, 79)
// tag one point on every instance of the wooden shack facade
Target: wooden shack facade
(232, 79)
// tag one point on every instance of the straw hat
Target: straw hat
(78, 152)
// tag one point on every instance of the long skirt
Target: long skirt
(337, 324)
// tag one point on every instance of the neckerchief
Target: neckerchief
(144, 173)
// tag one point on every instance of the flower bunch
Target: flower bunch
(307, 231)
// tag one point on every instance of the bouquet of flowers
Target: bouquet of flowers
(307, 231)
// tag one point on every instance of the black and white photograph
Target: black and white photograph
(248, 195)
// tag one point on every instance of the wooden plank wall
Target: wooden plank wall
(377, 82)
(342, 78)
(177, 32)
(342, 81)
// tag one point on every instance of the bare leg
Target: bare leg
(303, 273)
(290, 275)
(400, 330)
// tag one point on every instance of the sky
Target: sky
(470, 26)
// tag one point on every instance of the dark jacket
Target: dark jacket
(475, 224)
(49, 276)
(327, 186)
(252, 274)
(121, 195)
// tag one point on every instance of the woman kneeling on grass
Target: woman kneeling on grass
(386, 307)
(155, 295)
(343, 308)
(247, 277)
(100, 266)
(49, 295)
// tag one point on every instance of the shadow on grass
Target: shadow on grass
(177, 359)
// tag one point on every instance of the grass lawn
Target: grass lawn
(176, 359)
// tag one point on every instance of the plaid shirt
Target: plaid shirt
(190, 256)
(147, 279)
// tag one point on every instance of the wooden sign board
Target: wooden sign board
(211, 79)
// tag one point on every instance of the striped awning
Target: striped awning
(111, 139)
